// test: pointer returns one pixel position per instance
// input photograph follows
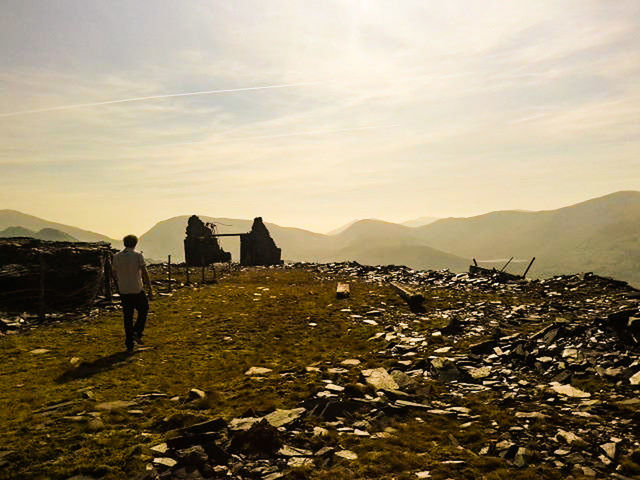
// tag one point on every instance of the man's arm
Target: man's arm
(146, 280)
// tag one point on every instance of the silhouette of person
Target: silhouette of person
(130, 272)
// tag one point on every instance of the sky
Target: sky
(115, 115)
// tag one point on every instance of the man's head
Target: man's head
(130, 241)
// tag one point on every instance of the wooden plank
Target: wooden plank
(343, 290)
(413, 298)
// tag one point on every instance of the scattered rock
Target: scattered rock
(39, 351)
(569, 391)
(165, 461)
(380, 379)
(258, 371)
(115, 405)
(347, 454)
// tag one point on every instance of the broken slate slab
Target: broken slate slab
(280, 417)
(569, 391)
(380, 379)
(347, 454)
(277, 418)
(258, 371)
(115, 405)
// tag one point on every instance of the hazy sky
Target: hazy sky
(382, 109)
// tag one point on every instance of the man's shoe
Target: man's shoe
(129, 349)
(137, 337)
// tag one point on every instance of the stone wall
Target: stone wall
(200, 246)
(69, 273)
(257, 247)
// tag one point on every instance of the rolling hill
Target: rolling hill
(600, 235)
(419, 222)
(50, 234)
(13, 218)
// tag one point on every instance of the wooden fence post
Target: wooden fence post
(527, 270)
(41, 304)
(107, 277)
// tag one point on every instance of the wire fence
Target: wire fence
(43, 284)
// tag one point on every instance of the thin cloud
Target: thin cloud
(155, 97)
(279, 135)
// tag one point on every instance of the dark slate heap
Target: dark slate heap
(72, 273)
(201, 246)
(257, 247)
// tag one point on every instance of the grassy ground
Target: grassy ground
(207, 338)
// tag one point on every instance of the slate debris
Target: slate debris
(561, 356)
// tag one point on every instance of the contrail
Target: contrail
(279, 135)
(155, 97)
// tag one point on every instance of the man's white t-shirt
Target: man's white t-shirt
(127, 265)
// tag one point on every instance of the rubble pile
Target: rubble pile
(70, 273)
(557, 360)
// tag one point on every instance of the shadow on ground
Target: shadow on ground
(89, 369)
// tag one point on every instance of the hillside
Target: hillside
(13, 218)
(600, 235)
(50, 234)
(419, 222)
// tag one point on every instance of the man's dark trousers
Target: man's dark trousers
(131, 302)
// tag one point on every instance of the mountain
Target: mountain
(55, 235)
(600, 235)
(341, 229)
(50, 234)
(17, 232)
(12, 218)
(419, 222)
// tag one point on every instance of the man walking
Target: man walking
(129, 272)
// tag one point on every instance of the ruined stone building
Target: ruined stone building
(257, 247)
(201, 246)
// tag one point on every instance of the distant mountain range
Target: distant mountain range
(13, 218)
(600, 235)
(50, 234)
(419, 222)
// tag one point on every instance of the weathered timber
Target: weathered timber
(506, 265)
(169, 270)
(413, 298)
(343, 290)
(499, 275)
(527, 270)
